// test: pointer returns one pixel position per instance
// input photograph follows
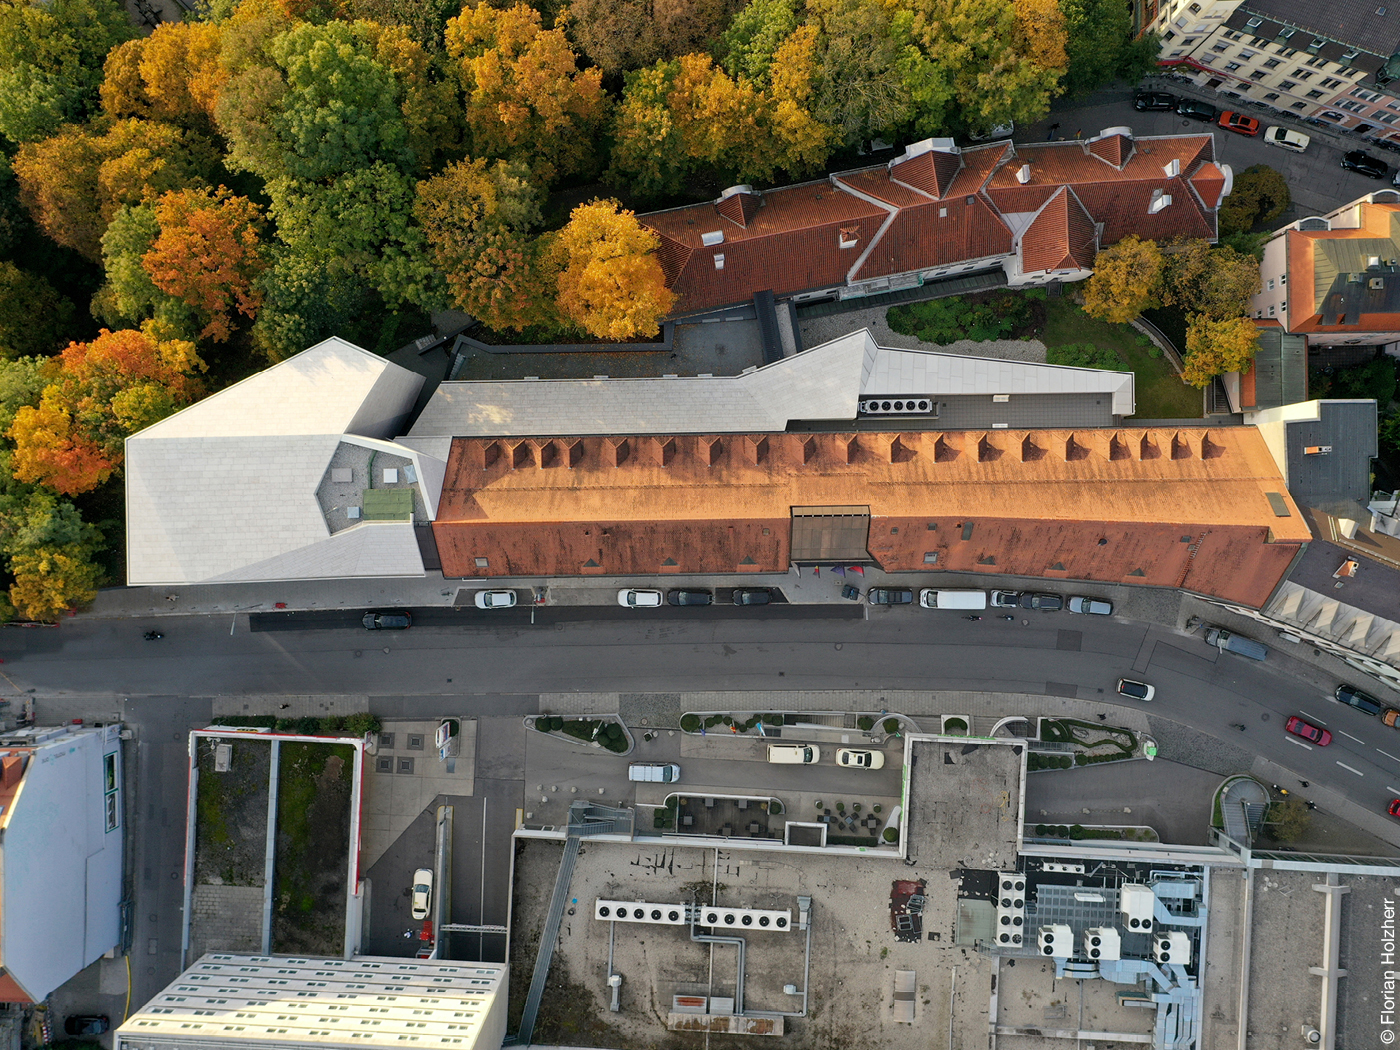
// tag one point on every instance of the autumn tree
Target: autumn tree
(526, 98)
(747, 47)
(1260, 194)
(33, 316)
(208, 255)
(74, 183)
(51, 57)
(477, 218)
(172, 76)
(619, 35)
(1217, 282)
(610, 282)
(860, 80)
(129, 296)
(1127, 280)
(101, 392)
(1214, 347)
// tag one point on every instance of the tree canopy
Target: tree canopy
(1127, 280)
(610, 282)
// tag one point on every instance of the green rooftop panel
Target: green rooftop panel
(388, 504)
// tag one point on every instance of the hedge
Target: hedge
(865, 723)
(690, 723)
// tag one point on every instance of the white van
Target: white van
(932, 599)
(794, 754)
(653, 773)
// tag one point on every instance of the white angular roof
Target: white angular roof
(226, 489)
(824, 383)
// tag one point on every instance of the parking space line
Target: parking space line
(1350, 737)
(1313, 717)
(1393, 791)
(1295, 740)
(1388, 755)
(1350, 770)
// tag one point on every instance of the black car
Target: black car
(1364, 164)
(86, 1024)
(680, 597)
(1154, 100)
(889, 596)
(1189, 107)
(374, 621)
(1042, 601)
(1363, 702)
(752, 596)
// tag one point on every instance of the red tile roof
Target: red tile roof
(947, 208)
(1062, 236)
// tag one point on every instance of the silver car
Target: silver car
(1093, 606)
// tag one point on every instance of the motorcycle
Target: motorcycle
(153, 636)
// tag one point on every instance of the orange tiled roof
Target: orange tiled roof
(1313, 273)
(1062, 236)
(947, 208)
(571, 506)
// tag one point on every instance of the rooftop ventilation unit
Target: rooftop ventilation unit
(1136, 904)
(709, 240)
(1254, 23)
(640, 911)
(1373, 262)
(1056, 941)
(1174, 948)
(719, 260)
(896, 406)
(1102, 944)
(1067, 869)
(745, 919)
(1011, 909)
(1376, 284)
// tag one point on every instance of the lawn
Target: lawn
(1160, 392)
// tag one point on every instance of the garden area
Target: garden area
(602, 731)
(1099, 743)
(313, 848)
(1070, 335)
(1078, 833)
(232, 814)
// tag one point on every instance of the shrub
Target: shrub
(840, 807)
(1065, 762)
(690, 723)
(1033, 763)
(1081, 760)
(750, 723)
(579, 730)
(773, 720)
(820, 805)
(1041, 829)
(891, 726)
(712, 721)
(727, 720)
(955, 725)
(333, 723)
(1154, 352)
(363, 722)
(775, 807)
(876, 807)
(865, 723)
(307, 725)
(1062, 831)
(1076, 832)
(890, 835)
(1085, 355)
(556, 723)
(855, 807)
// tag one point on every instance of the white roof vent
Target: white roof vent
(1373, 263)
(1160, 201)
(353, 513)
(1023, 176)
(709, 240)
(732, 190)
(1172, 168)
(719, 260)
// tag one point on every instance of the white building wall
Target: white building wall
(1271, 301)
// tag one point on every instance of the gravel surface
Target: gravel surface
(818, 330)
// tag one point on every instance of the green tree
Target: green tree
(22, 381)
(649, 159)
(129, 296)
(619, 35)
(1260, 194)
(1127, 280)
(51, 57)
(747, 47)
(304, 303)
(860, 80)
(1098, 33)
(1214, 347)
(1289, 820)
(34, 318)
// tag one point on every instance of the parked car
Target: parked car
(1394, 808)
(794, 754)
(855, 759)
(1048, 602)
(1189, 107)
(654, 772)
(1157, 101)
(1390, 717)
(1353, 697)
(752, 596)
(1092, 606)
(495, 599)
(422, 892)
(1287, 138)
(1135, 690)
(1313, 734)
(632, 598)
(683, 597)
(86, 1024)
(1363, 163)
(1239, 123)
(1006, 599)
(890, 596)
(374, 621)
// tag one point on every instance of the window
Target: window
(1299, 105)
(1230, 67)
(1287, 85)
(1272, 63)
(1208, 60)
(1271, 311)
(1331, 82)
(1283, 280)
(1352, 106)
(1314, 93)
(1169, 35)
(1283, 306)
(1369, 96)
(1303, 74)
(1258, 74)
(1246, 55)
(1388, 118)
(1178, 53)
(1271, 284)
(1331, 115)
(1220, 47)
(1271, 96)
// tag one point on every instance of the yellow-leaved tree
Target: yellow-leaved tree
(610, 282)
(1127, 280)
(1215, 347)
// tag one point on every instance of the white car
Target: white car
(854, 759)
(495, 599)
(1287, 138)
(1135, 690)
(422, 892)
(631, 598)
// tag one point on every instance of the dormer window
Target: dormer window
(719, 260)
(848, 237)
(1160, 200)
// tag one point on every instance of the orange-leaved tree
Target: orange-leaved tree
(172, 75)
(208, 254)
(610, 282)
(99, 393)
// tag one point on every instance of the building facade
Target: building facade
(1327, 63)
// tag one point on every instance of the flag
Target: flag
(838, 570)
(816, 570)
(856, 568)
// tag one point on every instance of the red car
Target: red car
(1232, 121)
(1317, 735)
(1394, 808)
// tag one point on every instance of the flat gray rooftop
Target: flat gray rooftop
(964, 803)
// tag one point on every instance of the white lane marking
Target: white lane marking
(1314, 717)
(1350, 737)
(1388, 755)
(1295, 740)
(1393, 791)
(1350, 770)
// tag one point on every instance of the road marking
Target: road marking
(1350, 737)
(1393, 791)
(1388, 755)
(1313, 717)
(1295, 740)
(1350, 770)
